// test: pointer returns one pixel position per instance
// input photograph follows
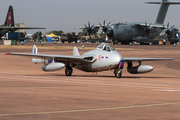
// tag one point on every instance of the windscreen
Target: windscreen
(112, 48)
(100, 46)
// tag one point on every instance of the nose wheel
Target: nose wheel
(118, 73)
(68, 71)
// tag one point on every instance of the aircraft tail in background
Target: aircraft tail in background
(163, 10)
(9, 21)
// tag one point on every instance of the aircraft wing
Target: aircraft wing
(96, 26)
(28, 28)
(152, 25)
(177, 28)
(60, 58)
(4, 27)
(129, 59)
(156, 25)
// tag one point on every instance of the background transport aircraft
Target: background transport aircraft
(103, 58)
(9, 24)
(136, 31)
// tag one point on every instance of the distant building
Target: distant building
(20, 25)
(18, 34)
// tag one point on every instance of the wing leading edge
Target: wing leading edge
(128, 59)
(7, 27)
(59, 58)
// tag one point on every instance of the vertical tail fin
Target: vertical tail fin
(163, 10)
(10, 17)
(34, 60)
(35, 50)
(75, 51)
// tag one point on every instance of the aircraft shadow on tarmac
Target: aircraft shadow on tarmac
(91, 76)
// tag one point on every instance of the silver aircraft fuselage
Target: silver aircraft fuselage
(105, 60)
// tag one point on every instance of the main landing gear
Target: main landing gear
(68, 71)
(118, 73)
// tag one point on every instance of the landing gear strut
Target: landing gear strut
(68, 71)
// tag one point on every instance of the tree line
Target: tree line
(58, 33)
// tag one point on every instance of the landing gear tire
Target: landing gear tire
(118, 74)
(68, 71)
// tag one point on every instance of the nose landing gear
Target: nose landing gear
(118, 72)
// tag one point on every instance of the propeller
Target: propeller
(89, 29)
(146, 29)
(168, 31)
(104, 27)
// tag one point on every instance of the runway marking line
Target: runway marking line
(88, 110)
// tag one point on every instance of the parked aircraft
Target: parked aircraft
(103, 58)
(9, 24)
(136, 31)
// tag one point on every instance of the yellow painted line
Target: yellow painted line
(88, 110)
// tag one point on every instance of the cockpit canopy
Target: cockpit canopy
(106, 47)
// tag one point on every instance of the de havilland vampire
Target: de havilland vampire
(9, 24)
(103, 58)
(140, 32)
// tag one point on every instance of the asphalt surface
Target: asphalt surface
(27, 92)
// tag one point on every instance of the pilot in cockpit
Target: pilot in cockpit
(107, 48)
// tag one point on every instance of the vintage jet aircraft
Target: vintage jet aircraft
(103, 58)
(136, 31)
(9, 24)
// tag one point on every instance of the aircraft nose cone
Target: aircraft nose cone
(116, 58)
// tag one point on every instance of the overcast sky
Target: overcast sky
(67, 15)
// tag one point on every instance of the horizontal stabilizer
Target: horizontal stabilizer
(171, 3)
(153, 2)
(164, 2)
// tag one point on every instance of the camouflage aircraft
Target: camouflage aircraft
(137, 31)
(9, 24)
